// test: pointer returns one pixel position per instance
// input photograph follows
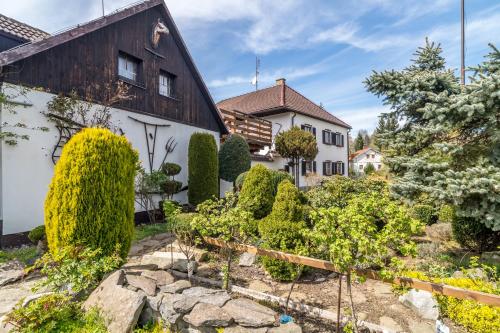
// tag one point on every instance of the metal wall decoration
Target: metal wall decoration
(65, 133)
(151, 131)
(159, 28)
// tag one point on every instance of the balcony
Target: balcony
(258, 132)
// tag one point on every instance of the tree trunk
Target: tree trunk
(299, 273)
(225, 283)
(349, 291)
(339, 301)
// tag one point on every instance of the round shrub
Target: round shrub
(474, 235)
(282, 230)
(369, 169)
(171, 169)
(170, 187)
(91, 196)
(203, 168)
(37, 234)
(234, 158)
(238, 184)
(256, 196)
(446, 214)
(277, 177)
(424, 213)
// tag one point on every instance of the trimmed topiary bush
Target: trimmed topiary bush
(203, 168)
(282, 230)
(474, 235)
(238, 184)
(256, 196)
(234, 158)
(91, 196)
(170, 169)
(277, 177)
(424, 213)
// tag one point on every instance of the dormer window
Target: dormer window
(128, 67)
(166, 84)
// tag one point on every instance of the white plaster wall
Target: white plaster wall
(27, 168)
(283, 122)
(365, 158)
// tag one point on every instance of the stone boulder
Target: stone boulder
(422, 302)
(143, 283)
(439, 231)
(166, 260)
(10, 275)
(216, 297)
(249, 313)
(204, 314)
(241, 329)
(286, 328)
(176, 287)
(247, 259)
(120, 307)
(492, 258)
(161, 277)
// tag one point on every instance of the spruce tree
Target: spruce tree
(448, 145)
(359, 143)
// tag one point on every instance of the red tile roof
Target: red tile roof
(270, 99)
(21, 30)
(361, 151)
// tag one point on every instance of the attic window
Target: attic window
(166, 84)
(128, 67)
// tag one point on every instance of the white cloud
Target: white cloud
(361, 118)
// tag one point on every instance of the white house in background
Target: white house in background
(361, 158)
(259, 116)
(138, 46)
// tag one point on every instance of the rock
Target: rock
(492, 258)
(474, 273)
(249, 313)
(247, 259)
(259, 286)
(164, 260)
(181, 303)
(150, 243)
(390, 323)
(439, 231)
(41, 247)
(135, 250)
(209, 296)
(182, 265)
(160, 262)
(361, 315)
(120, 307)
(382, 289)
(420, 327)
(11, 294)
(208, 315)
(144, 283)
(168, 313)
(31, 298)
(11, 275)
(320, 279)
(176, 287)
(128, 267)
(286, 328)
(161, 277)
(163, 236)
(422, 302)
(154, 302)
(241, 329)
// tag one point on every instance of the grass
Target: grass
(26, 255)
(146, 230)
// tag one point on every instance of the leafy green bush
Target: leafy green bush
(369, 169)
(181, 226)
(256, 196)
(170, 169)
(91, 196)
(424, 213)
(238, 184)
(234, 158)
(80, 269)
(55, 313)
(203, 168)
(277, 177)
(446, 214)
(146, 230)
(37, 234)
(474, 235)
(283, 230)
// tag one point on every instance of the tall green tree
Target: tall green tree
(359, 142)
(448, 145)
(234, 158)
(296, 144)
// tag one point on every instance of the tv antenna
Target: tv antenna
(255, 80)
(102, 6)
(462, 42)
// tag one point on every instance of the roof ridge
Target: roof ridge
(247, 93)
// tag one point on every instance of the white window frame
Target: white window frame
(166, 84)
(328, 168)
(128, 67)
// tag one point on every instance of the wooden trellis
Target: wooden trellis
(436, 288)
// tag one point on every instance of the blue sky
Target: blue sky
(324, 48)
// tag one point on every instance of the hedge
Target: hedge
(203, 168)
(91, 196)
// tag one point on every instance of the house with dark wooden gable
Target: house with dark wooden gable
(139, 48)
(260, 115)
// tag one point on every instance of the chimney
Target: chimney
(282, 82)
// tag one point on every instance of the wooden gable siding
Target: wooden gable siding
(93, 59)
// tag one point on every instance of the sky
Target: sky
(324, 48)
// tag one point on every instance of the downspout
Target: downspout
(348, 163)
(1, 163)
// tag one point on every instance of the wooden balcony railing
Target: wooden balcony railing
(258, 132)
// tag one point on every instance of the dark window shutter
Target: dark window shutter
(302, 127)
(342, 140)
(303, 168)
(343, 167)
(324, 136)
(314, 166)
(324, 169)
(314, 131)
(334, 168)
(287, 168)
(334, 138)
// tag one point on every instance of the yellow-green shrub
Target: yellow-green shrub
(256, 195)
(474, 316)
(91, 195)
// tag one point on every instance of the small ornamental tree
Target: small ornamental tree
(171, 186)
(362, 234)
(91, 196)
(296, 145)
(234, 158)
(203, 168)
(369, 169)
(256, 195)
